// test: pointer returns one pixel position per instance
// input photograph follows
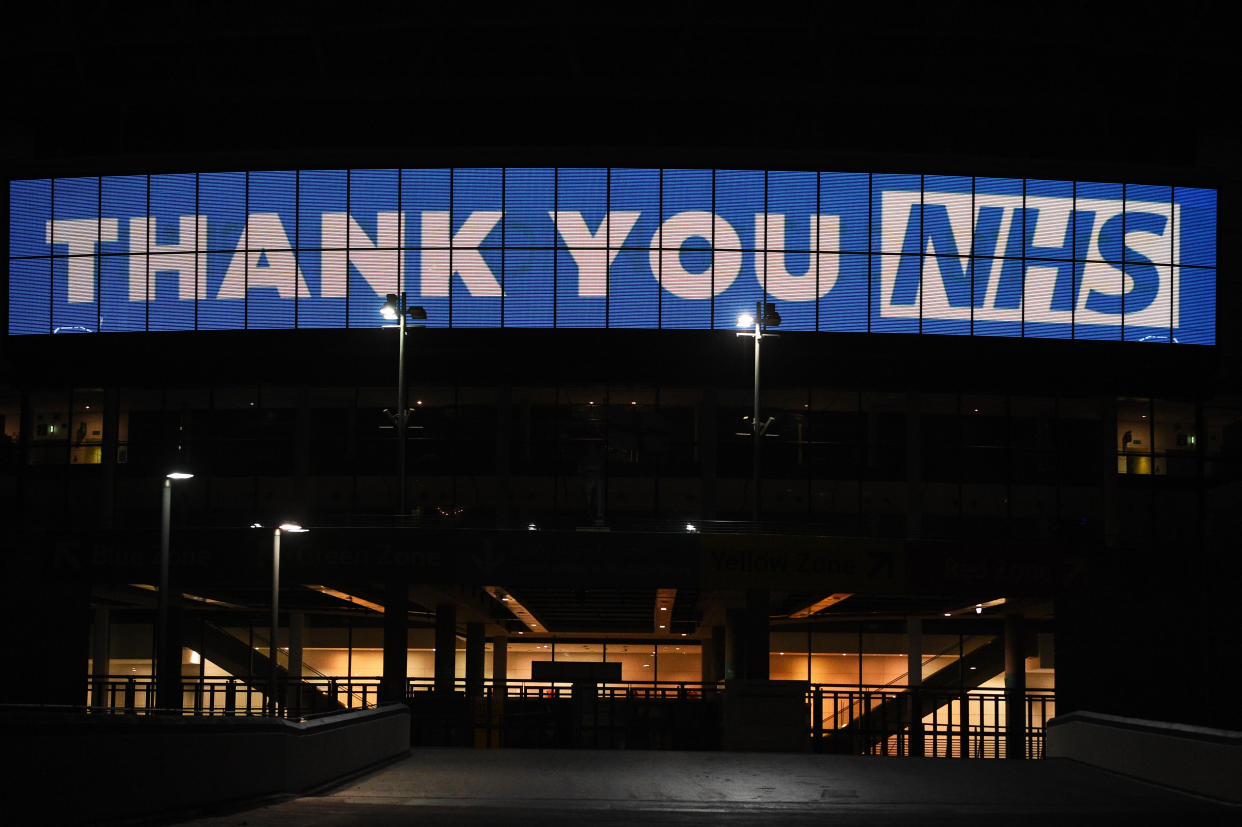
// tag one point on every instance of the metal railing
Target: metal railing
(523, 688)
(230, 695)
(876, 720)
(866, 720)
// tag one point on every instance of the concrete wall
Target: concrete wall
(76, 769)
(1194, 759)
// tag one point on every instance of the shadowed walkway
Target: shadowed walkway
(563, 787)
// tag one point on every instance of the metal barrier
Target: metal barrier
(231, 695)
(876, 720)
(866, 720)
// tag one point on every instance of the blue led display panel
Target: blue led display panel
(614, 248)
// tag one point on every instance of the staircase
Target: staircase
(872, 726)
(253, 668)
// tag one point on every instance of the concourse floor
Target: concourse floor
(572, 787)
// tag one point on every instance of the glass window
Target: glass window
(86, 428)
(10, 429)
(50, 428)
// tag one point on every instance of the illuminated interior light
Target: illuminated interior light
(820, 605)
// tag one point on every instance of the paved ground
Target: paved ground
(564, 787)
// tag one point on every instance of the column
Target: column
(475, 653)
(715, 651)
(500, 666)
(446, 648)
(1015, 688)
(100, 653)
(396, 642)
(734, 644)
(914, 683)
(756, 654)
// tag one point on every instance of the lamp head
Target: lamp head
(389, 309)
(293, 528)
(770, 317)
(179, 475)
(745, 320)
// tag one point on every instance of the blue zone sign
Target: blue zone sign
(615, 248)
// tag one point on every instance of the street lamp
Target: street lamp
(395, 309)
(765, 316)
(292, 528)
(167, 665)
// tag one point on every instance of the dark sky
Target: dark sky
(1048, 88)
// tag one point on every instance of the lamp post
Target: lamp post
(167, 664)
(292, 528)
(765, 316)
(395, 309)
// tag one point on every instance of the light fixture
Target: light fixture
(745, 319)
(532, 527)
(978, 608)
(293, 528)
(664, 608)
(179, 475)
(691, 527)
(256, 525)
(389, 308)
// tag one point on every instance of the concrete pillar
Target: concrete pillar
(396, 642)
(735, 644)
(711, 663)
(914, 683)
(446, 648)
(168, 689)
(1015, 688)
(500, 666)
(101, 638)
(756, 655)
(715, 652)
(475, 652)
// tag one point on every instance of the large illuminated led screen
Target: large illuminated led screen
(615, 248)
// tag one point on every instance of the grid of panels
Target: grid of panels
(623, 248)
